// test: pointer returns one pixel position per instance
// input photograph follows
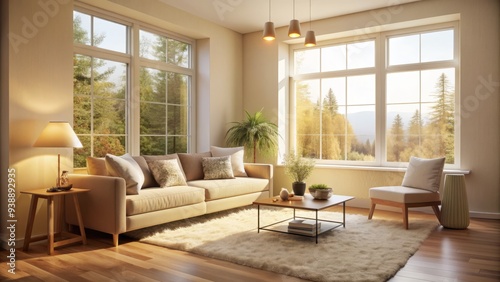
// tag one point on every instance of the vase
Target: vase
(454, 206)
(299, 188)
(284, 194)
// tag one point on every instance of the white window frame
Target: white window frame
(381, 70)
(131, 57)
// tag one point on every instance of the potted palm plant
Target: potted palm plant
(299, 168)
(255, 134)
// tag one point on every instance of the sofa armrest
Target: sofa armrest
(259, 170)
(103, 207)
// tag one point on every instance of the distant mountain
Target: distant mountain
(363, 123)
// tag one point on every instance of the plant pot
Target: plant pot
(299, 188)
(321, 194)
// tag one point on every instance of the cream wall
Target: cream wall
(480, 122)
(36, 84)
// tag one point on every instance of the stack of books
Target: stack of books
(303, 227)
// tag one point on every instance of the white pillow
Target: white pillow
(424, 173)
(127, 168)
(167, 172)
(237, 155)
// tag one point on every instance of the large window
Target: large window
(343, 92)
(106, 110)
(164, 94)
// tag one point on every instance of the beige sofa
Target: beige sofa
(109, 207)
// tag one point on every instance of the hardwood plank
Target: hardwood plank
(472, 254)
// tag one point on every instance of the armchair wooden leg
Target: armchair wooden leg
(405, 216)
(372, 209)
(437, 212)
(115, 240)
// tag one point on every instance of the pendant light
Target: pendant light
(294, 28)
(269, 33)
(310, 37)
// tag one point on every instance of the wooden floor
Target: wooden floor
(446, 255)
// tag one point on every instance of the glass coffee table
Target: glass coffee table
(307, 203)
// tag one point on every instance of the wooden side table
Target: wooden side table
(50, 196)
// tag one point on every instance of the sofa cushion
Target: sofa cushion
(153, 199)
(237, 158)
(224, 188)
(191, 164)
(424, 173)
(217, 167)
(127, 168)
(96, 166)
(167, 173)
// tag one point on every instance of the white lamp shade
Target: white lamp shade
(310, 39)
(269, 33)
(58, 134)
(294, 29)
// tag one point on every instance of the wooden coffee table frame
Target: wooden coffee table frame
(308, 203)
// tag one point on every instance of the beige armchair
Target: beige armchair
(420, 188)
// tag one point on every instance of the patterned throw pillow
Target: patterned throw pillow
(167, 172)
(237, 155)
(217, 167)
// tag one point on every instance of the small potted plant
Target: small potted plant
(299, 168)
(320, 191)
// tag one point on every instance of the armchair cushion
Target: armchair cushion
(401, 194)
(424, 173)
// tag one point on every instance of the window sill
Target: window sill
(387, 168)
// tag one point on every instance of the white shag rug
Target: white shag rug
(365, 250)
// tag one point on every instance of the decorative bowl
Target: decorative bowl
(321, 194)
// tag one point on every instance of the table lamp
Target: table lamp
(58, 134)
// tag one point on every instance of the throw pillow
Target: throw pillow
(157, 158)
(96, 166)
(217, 167)
(127, 168)
(191, 164)
(167, 173)
(237, 155)
(424, 173)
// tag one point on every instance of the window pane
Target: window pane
(160, 48)
(435, 82)
(361, 133)
(334, 86)
(82, 75)
(178, 53)
(153, 118)
(82, 109)
(153, 85)
(307, 61)
(80, 154)
(153, 145)
(109, 145)
(177, 88)
(109, 116)
(404, 50)
(177, 144)
(177, 120)
(437, 46)
(81, 28)
(361, 90)
(110, 35)
(403, 87)
(333, 58)
(152, 46)
(361, 55)
(110, 79)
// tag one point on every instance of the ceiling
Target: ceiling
(246, 16)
